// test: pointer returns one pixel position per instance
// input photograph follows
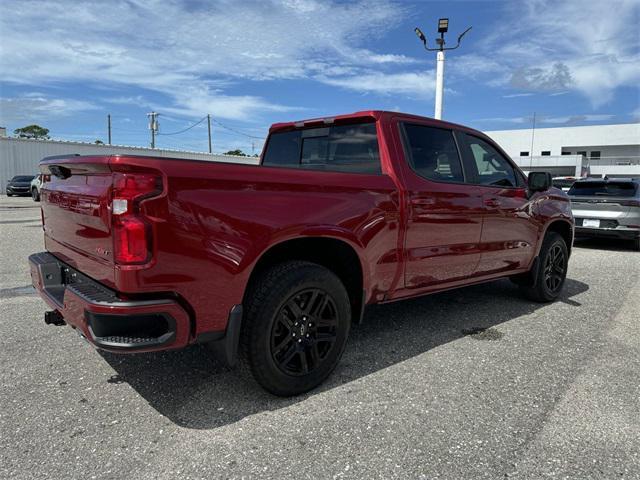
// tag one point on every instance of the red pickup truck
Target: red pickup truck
(280, 258)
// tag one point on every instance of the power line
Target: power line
(186, 129)
(234, 130)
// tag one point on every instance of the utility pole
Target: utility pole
(109, 128)
(153, 126)
(209, 128)
(443, 27)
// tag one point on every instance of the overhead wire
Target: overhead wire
(186, 129)
(234, 130)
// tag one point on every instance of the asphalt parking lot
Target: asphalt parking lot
(546, 391)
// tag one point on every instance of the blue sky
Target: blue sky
(66, 64)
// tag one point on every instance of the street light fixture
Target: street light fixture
(443, 27)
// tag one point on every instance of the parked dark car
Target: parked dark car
(19, 185)
(608, 208)
(564, 183)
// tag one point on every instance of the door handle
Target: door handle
(492, 202)
(423, 202)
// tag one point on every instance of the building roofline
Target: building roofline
(103, 145)
(565, 127)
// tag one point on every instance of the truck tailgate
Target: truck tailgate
(75, 210)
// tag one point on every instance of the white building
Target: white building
(612, 150)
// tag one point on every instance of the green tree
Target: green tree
(32, 131)
(99, 142)
(237, 152)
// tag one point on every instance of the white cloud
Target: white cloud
(419, 84)
(517, 95)
(195, 100)
(571, 119)
(553, 78)
(34, 106)
(542, 119)
(173, 46)
(557, 46)
(517, 120)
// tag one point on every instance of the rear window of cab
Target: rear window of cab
(606, 189)
(336, 148)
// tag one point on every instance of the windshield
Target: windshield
(608, 189)
(23, 178)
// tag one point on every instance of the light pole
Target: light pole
(443, 27)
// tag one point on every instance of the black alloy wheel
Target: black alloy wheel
(554, 268)
(297, 317)
(548, 277)
(304, 332)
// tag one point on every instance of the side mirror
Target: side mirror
(539, 181)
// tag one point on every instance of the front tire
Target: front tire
(551, 271)
(296, 327)
(35, 195)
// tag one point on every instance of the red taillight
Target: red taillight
(131, 240)
(132, 232)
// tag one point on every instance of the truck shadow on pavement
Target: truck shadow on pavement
(193, 390)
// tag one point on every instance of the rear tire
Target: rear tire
(35, 195)
(636, 244)
(296, 326)
(551, 270)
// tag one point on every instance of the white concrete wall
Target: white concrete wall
(558, 165)
(616, 170)
(599, 137)
(19, 156)
(608, 150)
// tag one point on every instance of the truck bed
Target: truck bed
(210, 224)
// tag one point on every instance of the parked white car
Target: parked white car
(35, 187)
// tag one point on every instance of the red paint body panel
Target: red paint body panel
(213, 221)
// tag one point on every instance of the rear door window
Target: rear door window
(606, 189)
(340, 148)
(433, 153)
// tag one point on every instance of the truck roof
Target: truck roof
(363, 114)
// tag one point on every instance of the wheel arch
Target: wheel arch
(561, 226)
(337, 254)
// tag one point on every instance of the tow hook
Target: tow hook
(53, 318)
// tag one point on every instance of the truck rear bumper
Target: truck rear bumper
(107, 321)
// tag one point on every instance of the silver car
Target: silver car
(607, 208)
(36, 183)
